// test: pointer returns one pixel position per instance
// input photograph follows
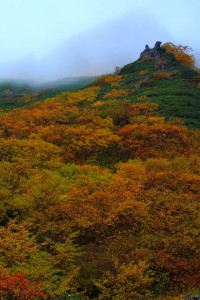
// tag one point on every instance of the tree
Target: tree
(181, 54)
(17, 287)
(156, 140)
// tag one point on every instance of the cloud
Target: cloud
(96, 51)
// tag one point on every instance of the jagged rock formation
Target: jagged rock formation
(152, 53)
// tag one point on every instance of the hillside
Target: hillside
(165, 81)
(99, 187)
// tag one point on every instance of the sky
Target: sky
(37, 36)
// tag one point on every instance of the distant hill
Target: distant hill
(19, 93)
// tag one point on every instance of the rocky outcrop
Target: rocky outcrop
(156, 52)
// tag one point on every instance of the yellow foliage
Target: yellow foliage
(142, 98)
(115, 94)
(79, 97)
(143, 72)
(161, 75)
(114, 81)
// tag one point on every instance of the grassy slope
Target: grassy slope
(177, 97)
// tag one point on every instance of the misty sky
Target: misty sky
(37, 36)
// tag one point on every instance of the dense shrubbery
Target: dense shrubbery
(98, 198)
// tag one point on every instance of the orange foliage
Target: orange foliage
(61, 109)
(180, 53)
(161, 75)
(154, 141)
(99, 103)
(115, 94)
(143, 72)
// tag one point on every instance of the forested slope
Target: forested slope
(99, 190)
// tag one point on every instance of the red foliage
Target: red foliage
(18, 287)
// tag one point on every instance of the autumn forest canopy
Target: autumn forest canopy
(99, 187)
